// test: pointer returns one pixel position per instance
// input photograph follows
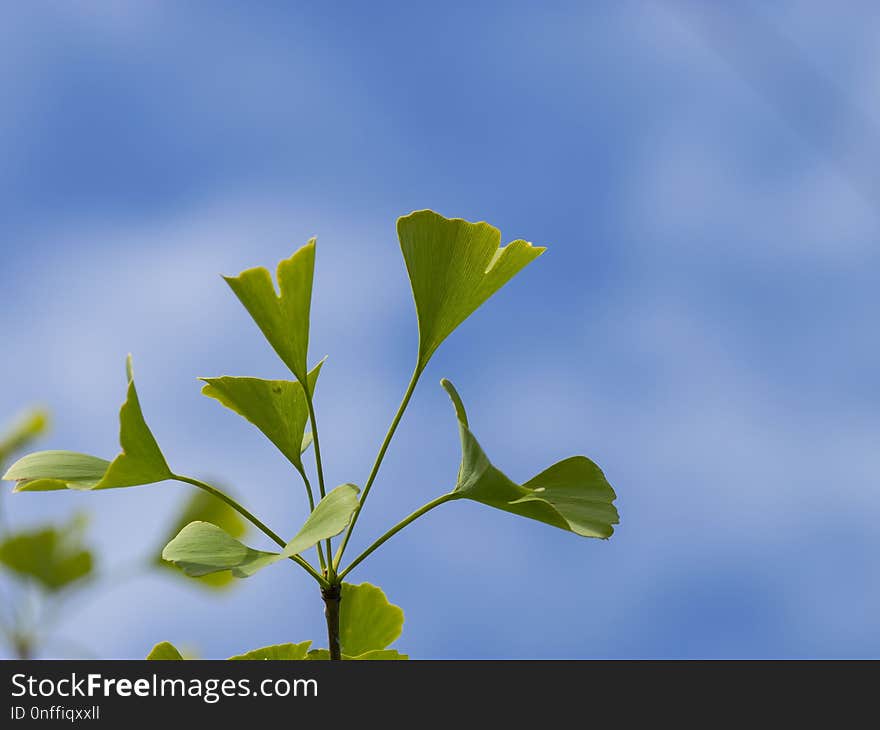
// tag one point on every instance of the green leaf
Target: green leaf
(379, 655)
(277, 407)
(204, 507)
(573, 494)
(454, 266)
(331, 516)
(202, 548)
(276, 652)
(25, 429)
(367, 621)
(141, 461)
(164, 651)
(284, 318)
(306, 442)
(52, 556)
(48, 470)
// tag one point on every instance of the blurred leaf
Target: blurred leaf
(141, 461)
(573, 494)
(25, 429)
(279, 651)
(277, 407)
(52, 556)
(284, 319)
(306, 442)
(164, 651)
(204, 507)
(367, 621)
(454, 266)
(202, 548)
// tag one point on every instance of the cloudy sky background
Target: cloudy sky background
(703, 324)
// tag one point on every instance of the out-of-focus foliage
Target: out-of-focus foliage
(54, 557)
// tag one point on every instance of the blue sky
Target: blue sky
(703, 324)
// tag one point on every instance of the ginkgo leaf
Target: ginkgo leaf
(48, 470)
(330, 517)
(25, 429)
(204, 507)
(141, 461)
(377, 655)
(367, 620)
(54, 557)
(282, 317)
(164, 651)
(202, 548)
(285, 652)
(573, 494)
(277, 407)
(454, 266)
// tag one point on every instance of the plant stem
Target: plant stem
(413, 381)
(397, 528)
(302, 473)
(320, 469)
(251, 518)
(332, 596)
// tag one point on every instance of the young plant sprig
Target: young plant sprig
(454, 266)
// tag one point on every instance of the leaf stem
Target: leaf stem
(251, 518)
(413, 381)
(320, 469)
(397, 528)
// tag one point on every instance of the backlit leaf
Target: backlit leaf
(204, 507)
(202, 548)
(367, 621)
(454, 266)
(276, 407)
(164, 651)
(573, 494)
(331, 516)
(282, 316)
(276, 652)
(141, 461)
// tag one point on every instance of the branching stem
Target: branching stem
(413, 381)
(253, 520)
(397, 528)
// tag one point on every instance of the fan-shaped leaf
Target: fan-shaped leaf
(202, 548)
(454, 266)
(367, 621)
(284, 318)
(277, 407)
(164, 651)
(204, 507)
(276, 652)
(141, 461)
(573, 494)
